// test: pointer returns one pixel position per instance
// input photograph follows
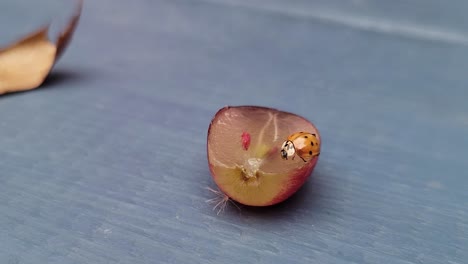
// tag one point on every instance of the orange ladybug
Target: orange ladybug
(305, 145)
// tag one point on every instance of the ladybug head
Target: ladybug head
(287, 149)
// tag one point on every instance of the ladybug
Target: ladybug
(305, 145)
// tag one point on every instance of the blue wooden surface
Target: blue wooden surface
(107, 162)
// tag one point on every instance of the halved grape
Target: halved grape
(244, 154)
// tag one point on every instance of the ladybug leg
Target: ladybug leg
(303, 159)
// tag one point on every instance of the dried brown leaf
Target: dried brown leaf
(25, 64)
(66, 35)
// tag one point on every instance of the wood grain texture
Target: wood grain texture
(107, 162)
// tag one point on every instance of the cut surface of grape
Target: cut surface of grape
(256, 176)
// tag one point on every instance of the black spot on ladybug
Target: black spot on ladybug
(312, 143)
(314, 135)
(310, 152)
(305, 136)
